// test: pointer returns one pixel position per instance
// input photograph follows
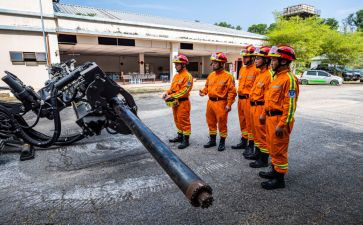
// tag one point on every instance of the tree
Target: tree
(355, 20)
(271, 27)
(343, 49)
(310, 37)
(306, 36)
(258, 28)
(333, 23)
(225, 24)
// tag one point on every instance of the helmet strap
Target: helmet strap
(220, 66)
(281, 67)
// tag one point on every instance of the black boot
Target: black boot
(249, 148)
(270, 174)
(222, 144)
(262, 161)
(178, 138)
(185, 142)
(255, 154)
(277, 182)
(212, 141)
(241, 145)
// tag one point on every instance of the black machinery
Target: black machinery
(99, 103)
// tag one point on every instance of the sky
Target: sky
(235, 12)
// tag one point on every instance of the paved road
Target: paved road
(114, 180)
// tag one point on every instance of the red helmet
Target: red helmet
(219, 57)
(180, 59)
(248, 50)
(263, 51)
(283, 51)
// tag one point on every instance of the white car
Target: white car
(320, 77)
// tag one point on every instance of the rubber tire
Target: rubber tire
(304, 82)
(334, 83)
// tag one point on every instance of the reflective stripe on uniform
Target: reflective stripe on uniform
(223, 135)
(187, 132)
(292, 100)
(186, 89)
(264, 150)
(282, 166)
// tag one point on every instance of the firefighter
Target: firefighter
(247, 76)
(278, 114)
(177, 97)
(257, 101)
(221, 90)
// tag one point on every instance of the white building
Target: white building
(120, 42)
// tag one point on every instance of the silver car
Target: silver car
(320, 77)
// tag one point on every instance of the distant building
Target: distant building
(121, 43)
(301, 10)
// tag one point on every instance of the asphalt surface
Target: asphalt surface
(112, 179)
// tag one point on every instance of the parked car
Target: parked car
(334, 70)
(351, 75)
(319, 77)
(361, 74)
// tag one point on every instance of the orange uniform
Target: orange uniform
(180, 88)
(279, 109)
(247, 76)
(222, 92)
(257, 100)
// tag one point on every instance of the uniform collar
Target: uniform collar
(282, 71)
(251, 65)
(219, 71)
(263, 69)
(182, 71)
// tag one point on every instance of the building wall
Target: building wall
(28, 5)
(131, 31)
(25, 42)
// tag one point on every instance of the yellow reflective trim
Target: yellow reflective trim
(223, 135)
(186, 89)
(292, 102)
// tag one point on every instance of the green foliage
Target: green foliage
(258, 28)
(311, 37)
(343, 49)
(355, 20)
(225, 24)
(333, 23)
(306, 36)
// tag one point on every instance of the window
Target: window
(311, 73)
(40, 57)
(125, 42)
(192, 66)
(107, 41)
(16, 56)
(186, 46)
(29, 57)
(322, 74)
(67, 39)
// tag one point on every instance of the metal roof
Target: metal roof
(149, 20)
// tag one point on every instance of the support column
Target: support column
(174, 51)
(142, 63)
(53, 49)
(203, 64)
